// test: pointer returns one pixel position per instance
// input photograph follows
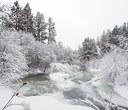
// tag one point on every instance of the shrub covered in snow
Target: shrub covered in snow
(114, 67)
(12, 61)
(41, 56)
(65, 68)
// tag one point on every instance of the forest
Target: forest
(28, 48)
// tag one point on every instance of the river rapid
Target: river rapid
(78, 89)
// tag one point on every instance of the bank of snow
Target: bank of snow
(62, 80)
(59, 77)
(50, 103)
(122, 90)
(35, 102)
(5, 95)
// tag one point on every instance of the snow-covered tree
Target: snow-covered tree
(67, 55)
(114, 67)
(15, 16)
(115, 31)
(4, 18)
(41, 56)
(123, 42)
(51, 31)
(27, 19)
(40, 27)
(88, 50)
(118, 37)
(105, 42)
(12, 61)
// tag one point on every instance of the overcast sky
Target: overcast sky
(77, 19)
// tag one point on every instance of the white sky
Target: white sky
(77, 19)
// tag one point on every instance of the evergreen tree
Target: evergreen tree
(16, 17)
(115, 31)
(104, 43)
(27, 18)
(98, 41)
(88, 49)
(113, 37)
(124, 27)
(117, 37)
(124, 30)
(127, 26)
(51, 31)
(40, 27)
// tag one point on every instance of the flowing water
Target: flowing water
(77, 90)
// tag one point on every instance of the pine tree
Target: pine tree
(115, 31)
(51, 31)
(40, 27)
(98, 41)
(105, 42)
(88, 50)
(113, 37)
(27, 18)
(124, 29)
(16, 17)
(127, 26)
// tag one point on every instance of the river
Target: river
(77, 90)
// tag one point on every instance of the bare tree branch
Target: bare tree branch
(7, 104)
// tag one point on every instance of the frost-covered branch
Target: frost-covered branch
(89, 102)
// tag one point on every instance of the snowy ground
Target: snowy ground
(122, 90)
(5, 95)
(50, 103)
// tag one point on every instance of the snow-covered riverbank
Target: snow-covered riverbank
(35, 102)
(119, 92)
(122, 90)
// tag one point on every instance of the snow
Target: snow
(59, 77)
(94, 70)
(114, 67)
(6, 94)
(122, 90)
(50, 103)
(35, 102)
(58, 67)
(61, 80)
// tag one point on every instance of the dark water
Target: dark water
(38, 85)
